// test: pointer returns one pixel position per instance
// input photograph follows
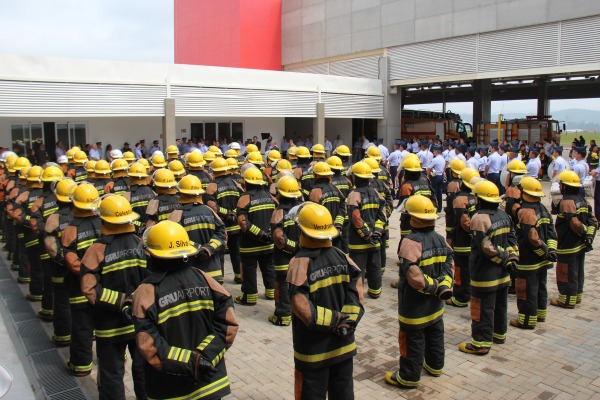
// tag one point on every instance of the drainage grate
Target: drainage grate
(54, 380)
(20, 309)
(75, 394)
(33, 336)
(10, 290)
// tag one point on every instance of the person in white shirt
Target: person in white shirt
(425, 156)
(394, 160)
(415, 145)
(459, 151)
(483, 159)
(437, 164)
(534, 164)
(503, 157)
(560, 164)
(328, 147)
(382, 149)
(492, 169)
(95, 152)
(580, 167)
(471, 160)
(337, 142)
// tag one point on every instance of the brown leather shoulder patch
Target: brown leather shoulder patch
(176, 215)
(243, 201)
(52, 223)
(315, 195)
(527, 216)
(453, 187)
(143, 298)
(354, 199)
(277, 216)
(68, 235)
(93, 256)
(568, 206)
(37, 204)
(212, 188)
(481, 222)
(298, 270)
(410, 250)
(127, 195)
(460, 202)
(152, 207)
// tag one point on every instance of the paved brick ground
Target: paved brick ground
(558, 360)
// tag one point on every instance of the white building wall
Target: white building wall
(339, 126)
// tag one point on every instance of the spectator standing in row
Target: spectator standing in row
(59, 151)
(385, 153)
(96, 151)
(285, 146)
(337, 142)
(144, 149)
(155, 147)
(328, 147)
(138, 151)
(107, 151)
(356, 150)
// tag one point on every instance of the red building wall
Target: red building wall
(228, 33)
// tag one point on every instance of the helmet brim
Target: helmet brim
(125, 219)
(327, 234)
(534, 194)
(490, 199)
(424, 216)
(180, 252)
(291, 195)
(84, 206)
(365, 176)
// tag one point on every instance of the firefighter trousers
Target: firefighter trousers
(61, 318)
(36, 284)
(370, 265)
(489, 318)
(570, 276)
(420, 348)
(82, 337)
(111, 369)
(47, 291)
(249, 264)
(345, 235)
(283, 305)
(462, 280)
(21, 256)
(233, 244)
(334, 382)
(385, 243)
(532, 296)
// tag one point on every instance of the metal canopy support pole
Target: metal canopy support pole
(388, 128)
(482, 101)
(543, 104)
(168, 133)
(319, 125)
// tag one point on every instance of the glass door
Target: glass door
(72, 134)
(26, 137)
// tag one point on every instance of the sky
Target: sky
(140, 30)
(127, 30)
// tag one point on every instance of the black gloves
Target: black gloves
(374, 238)
(127, 310)
(511, 266)
(231, 218)
(444, 289)
(588, 244)
(345, 325)
(200, 365)
(265, 237)
(203, 254)
(551, 256)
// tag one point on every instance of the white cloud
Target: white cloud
(129, 30)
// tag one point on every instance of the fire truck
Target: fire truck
(429, 124)
(531, 129)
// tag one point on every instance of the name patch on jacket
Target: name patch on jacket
(181, 295)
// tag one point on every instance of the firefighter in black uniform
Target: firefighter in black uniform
(102, 174)
(119, 183)
(513, 194)
(494, 252)
(329, 196)
(285, 237)
(452, 189)
(22, 216)
(414, 183)
(327, 304)
(184, 321)
(165, 201)
(341, 181)
(8, 185)
(383, 188)
(226, 194)
(78, 172)
(459, 237)
(21, 261)
(111, 269)
(82, 232)
(52, 233)
(254, 210)
(139, 194)
(366, 210)
(41, 209)
(302, 171)
(343, 152)
(537, 252)
(576, 228)
(425, 282)
(203, 225)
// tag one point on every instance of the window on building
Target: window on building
(72, 134)
(24, 136)
(210, 131)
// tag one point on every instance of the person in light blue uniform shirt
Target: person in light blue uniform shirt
(471, 160)
(492, 170)
(437, 164)
(560, 164)
(580, 167)
(534, 164)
